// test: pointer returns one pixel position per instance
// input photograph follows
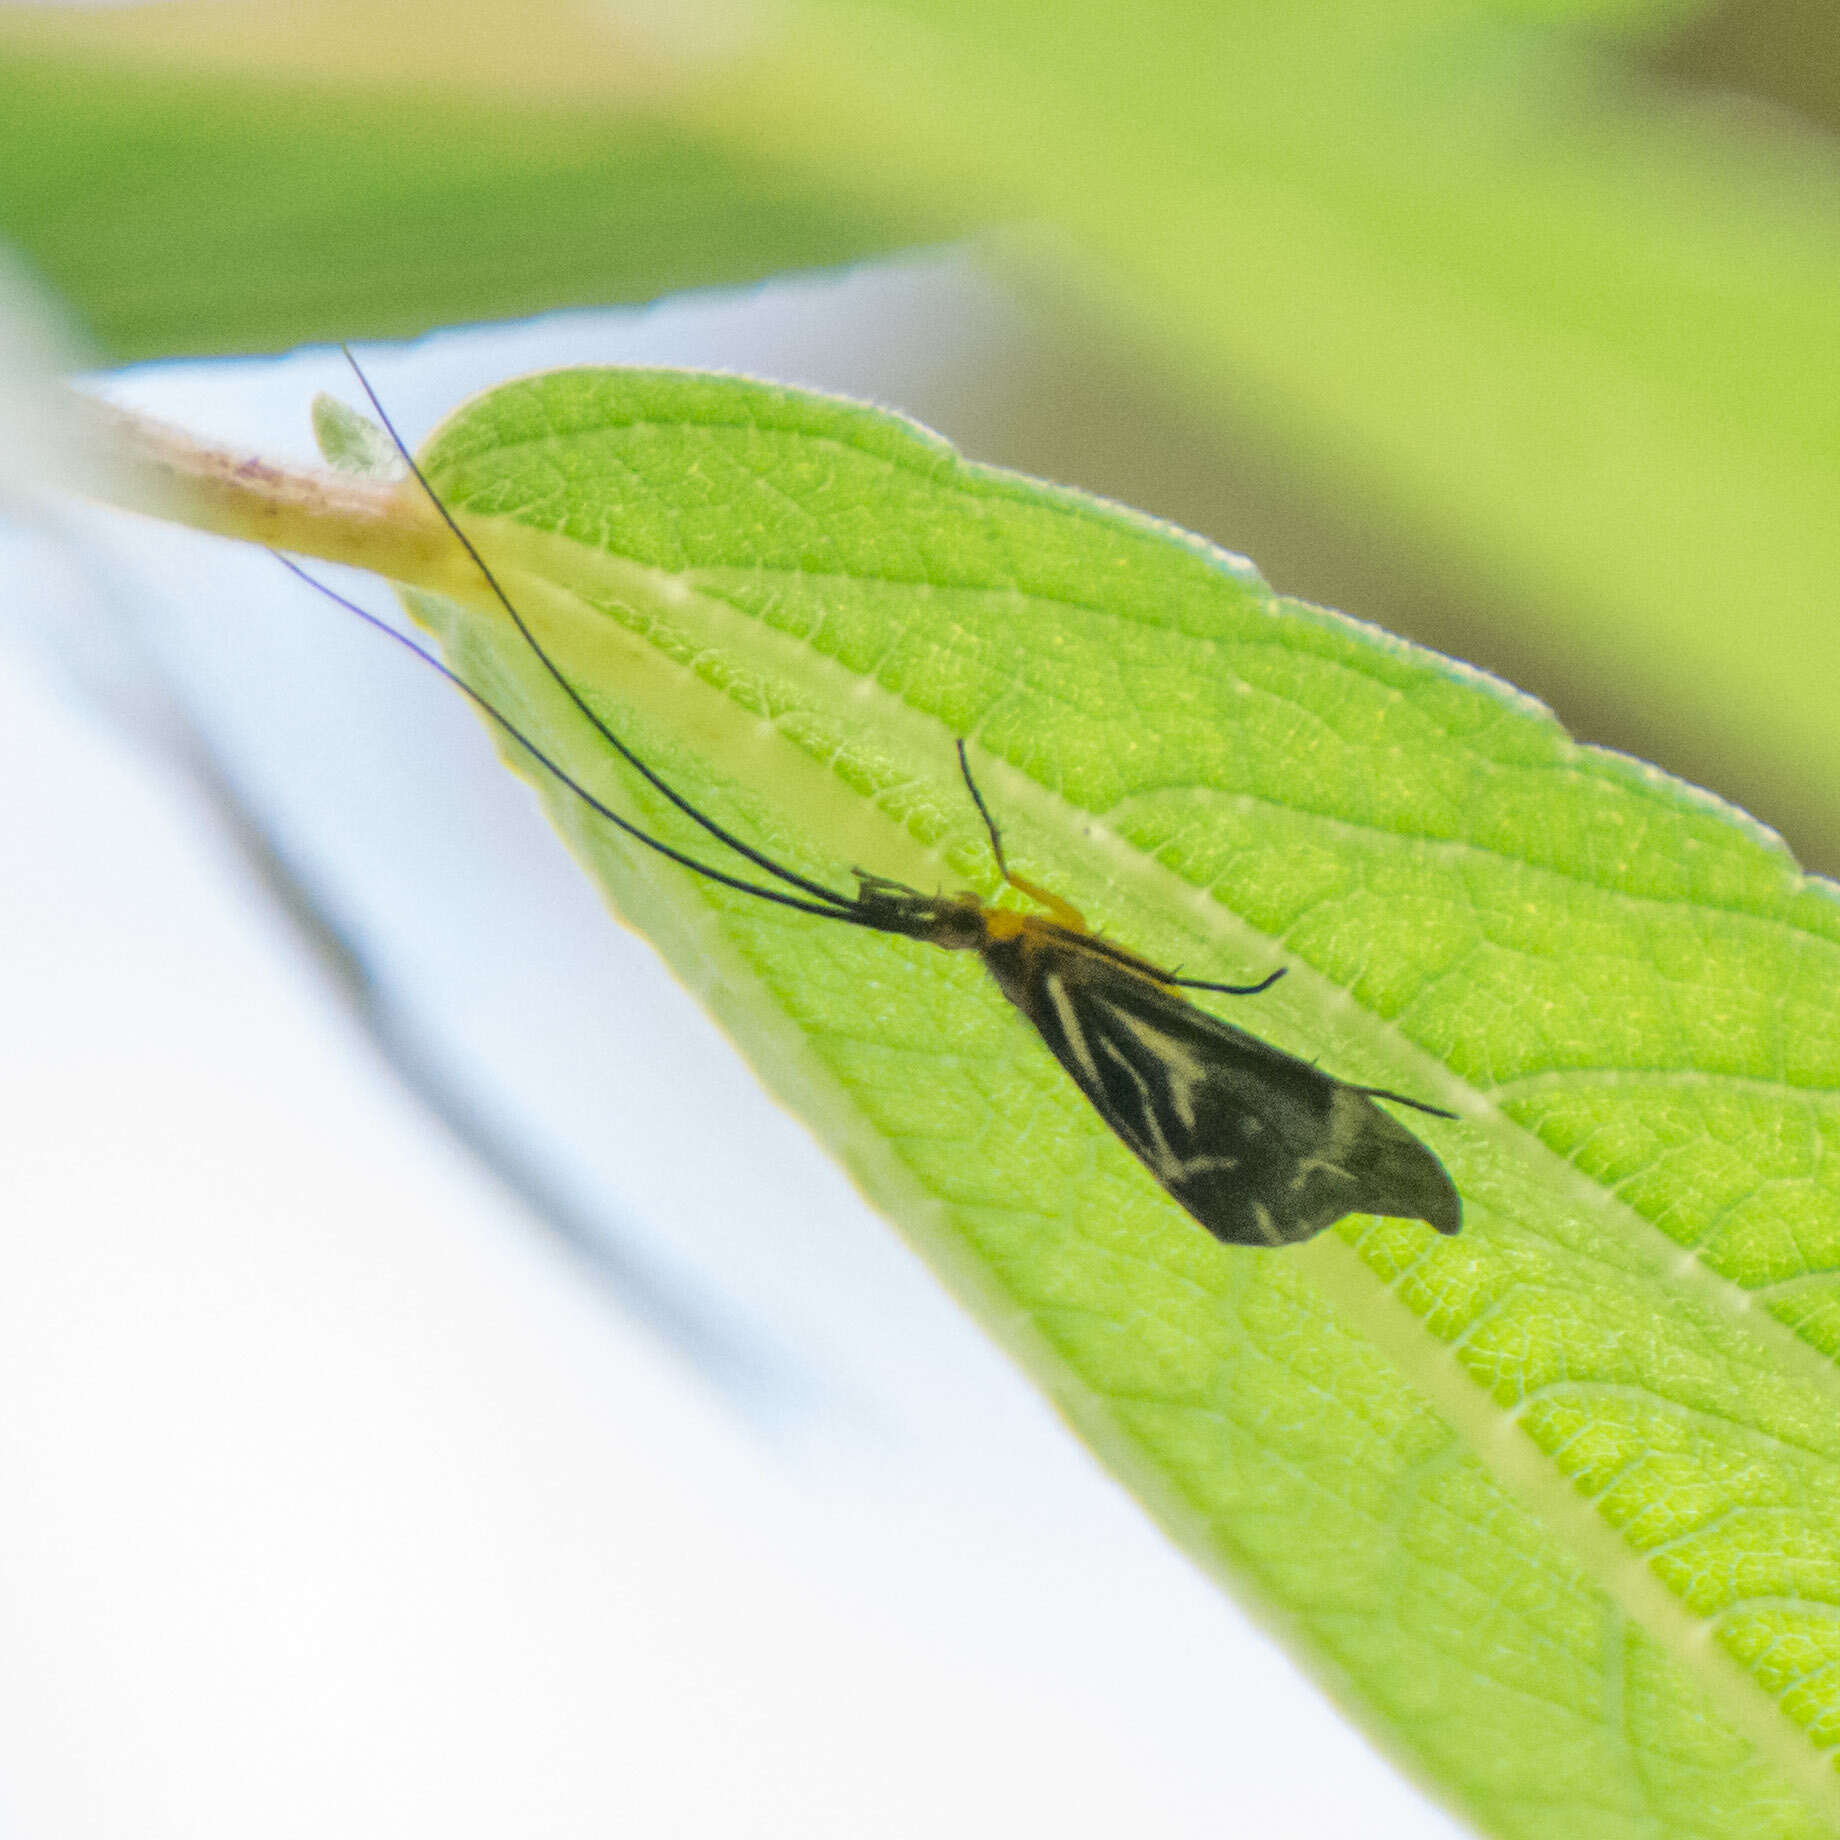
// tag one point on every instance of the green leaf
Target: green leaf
(353, 443)
(1553, 1507)
(269, 211)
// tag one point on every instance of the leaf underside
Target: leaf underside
(1554, 1506)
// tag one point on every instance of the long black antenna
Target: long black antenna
(837, 907)
(745, 850)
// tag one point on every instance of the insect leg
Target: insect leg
(1063, 911)
(1418, 1105)
(1229, 990)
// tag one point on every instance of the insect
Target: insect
(1263, 1149)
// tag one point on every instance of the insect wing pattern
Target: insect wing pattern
(1260, 1147)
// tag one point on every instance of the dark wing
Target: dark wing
(1262, 1148)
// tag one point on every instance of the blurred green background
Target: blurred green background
(1507, 324)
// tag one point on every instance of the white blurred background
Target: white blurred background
(647, 1486)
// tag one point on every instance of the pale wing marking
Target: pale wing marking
(1268, 1228)
(1159, 1154)
(1186, 1070)
(1152, 1145)
(1346, 1117)
(1070, 1028)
